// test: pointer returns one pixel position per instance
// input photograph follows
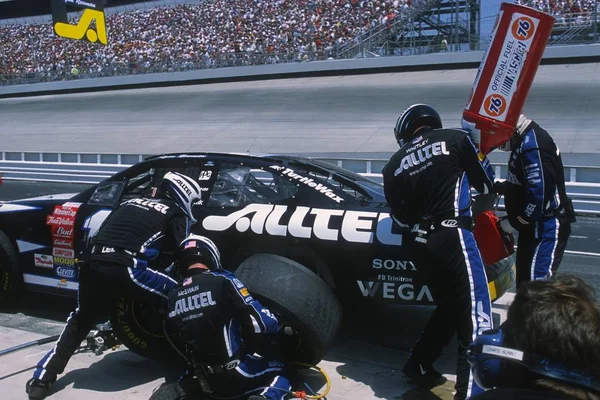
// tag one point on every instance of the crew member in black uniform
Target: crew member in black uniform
(132, 236)
(427, 185)
(536, 201)
(209, 309)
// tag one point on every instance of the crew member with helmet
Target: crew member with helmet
(536, 201)
(210, 309)
(427, 185)
(133, 236)
(548, 348)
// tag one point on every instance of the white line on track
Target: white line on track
(579, 237)
(582, 253)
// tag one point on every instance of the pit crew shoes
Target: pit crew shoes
(422, 375)
(37, 389)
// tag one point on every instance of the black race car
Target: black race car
(303, 235)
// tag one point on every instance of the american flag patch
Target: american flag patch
(191, 243)
(187, 281)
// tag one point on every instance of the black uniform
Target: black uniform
(427, 185)
(131, 237)
(209, 310)
(535, 204)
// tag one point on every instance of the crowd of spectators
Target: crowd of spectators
(566, 12)
(211, 33)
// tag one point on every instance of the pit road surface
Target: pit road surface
(349, 114)
(364, 363)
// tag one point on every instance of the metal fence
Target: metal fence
(582, 181)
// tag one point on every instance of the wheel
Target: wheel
(300, 298)
(169, 391)
(11, 280)
(139, 327)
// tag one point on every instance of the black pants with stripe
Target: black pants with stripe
(100, 285)
(452, 267)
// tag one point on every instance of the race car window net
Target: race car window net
(334, 179)
(238, 185)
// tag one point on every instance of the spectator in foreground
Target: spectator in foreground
(548, 348)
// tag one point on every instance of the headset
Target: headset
(495, 365)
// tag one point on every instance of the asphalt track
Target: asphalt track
(347, 114)
(364, 363)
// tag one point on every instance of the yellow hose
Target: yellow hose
(322, 372)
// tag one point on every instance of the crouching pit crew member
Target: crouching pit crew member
(210, 309)
(135, 234)
(427, 185)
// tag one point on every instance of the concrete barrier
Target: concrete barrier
(438, 61)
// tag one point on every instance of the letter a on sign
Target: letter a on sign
(93, 11)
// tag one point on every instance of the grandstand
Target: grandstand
(177, 35)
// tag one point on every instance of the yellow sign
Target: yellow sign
(78, 31)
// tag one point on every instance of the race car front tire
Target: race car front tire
(300, 298)
(11, 280)
(138, 326)
(175, 391)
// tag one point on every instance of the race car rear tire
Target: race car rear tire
(11, 280)
(174, 391)
(302, 299)
(139, 328)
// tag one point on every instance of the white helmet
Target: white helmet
(183, 190)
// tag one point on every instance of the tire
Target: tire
(169, 391)
(139, 328)
(300, 298)
(11, 280)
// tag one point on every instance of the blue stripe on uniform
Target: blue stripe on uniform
(543, 258)
(481, 305)
(464, 197)
(152, 281)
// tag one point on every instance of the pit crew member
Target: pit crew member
(548, 348)
(131, 237)
(536, 202)
(427, 185)
(210, 309)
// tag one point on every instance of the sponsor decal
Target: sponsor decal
(62, 242)
(244, 292)
(187, 291)
(319, 187)
(62, 283)
(509, 66)
(148, 204)
(494, 105)
(394, 278)
(62, 222)
(390, 265)
(43, 261)
(449, 223)
(62, 232)
(484, 320)
(237, 283)
(420, 153)
(64, 262)
(204, 175)
(523, 28)
(192, 303)
(394, 290)
(59, 252)
(165, 157)
(306, 222)
(65, 272)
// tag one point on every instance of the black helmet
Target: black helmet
(198, 249)
(413, 118)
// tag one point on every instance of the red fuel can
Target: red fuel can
(506, 73)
